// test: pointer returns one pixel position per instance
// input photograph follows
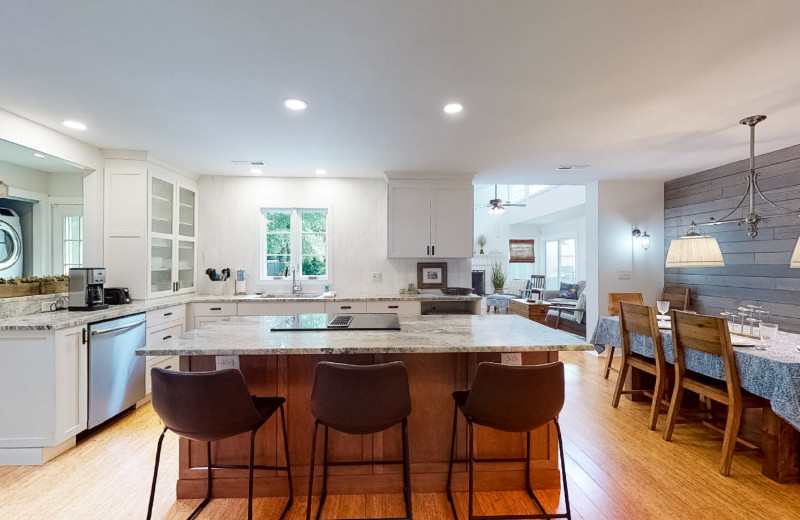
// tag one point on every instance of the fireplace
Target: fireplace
(479, 282)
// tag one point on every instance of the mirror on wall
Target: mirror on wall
(41, 217)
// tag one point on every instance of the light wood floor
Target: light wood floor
(617, 470)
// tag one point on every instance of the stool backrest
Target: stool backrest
(360, 398)
(204, 405)
(641, 320)
(516, 398)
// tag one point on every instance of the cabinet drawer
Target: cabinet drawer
(339, 307)
(280, 308)
(174, 313)
(167, 363)
(155, 335)
(398, 306)
(215, 309)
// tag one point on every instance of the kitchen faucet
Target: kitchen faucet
(297, 287)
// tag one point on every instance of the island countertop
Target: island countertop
(251, 335)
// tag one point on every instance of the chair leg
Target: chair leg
(563, 469)
(609, 360)
(658, 393)
(674, 409)
(250, 475)
(324, 494)
(471, 457)
(155, 474)
(288, 466)
(623, 374)
(406, 472)
(311, 470)
(528, 474)
(450, 466)
(207, 499)
(731, 432)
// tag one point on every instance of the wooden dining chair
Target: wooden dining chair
(710, 335)
(678, 297)
(614, 300)
(537, 286)
(641, 320)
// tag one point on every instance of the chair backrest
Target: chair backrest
(641, 320)
(678, 297)
(360, 398)
(707, 334)
(204, 406)
(538, 281)
(516, 398)
(615, 298)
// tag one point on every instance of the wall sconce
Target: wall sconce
(643, 236)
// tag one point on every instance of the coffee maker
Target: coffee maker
(86, 289)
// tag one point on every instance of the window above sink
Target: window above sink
(295, 245)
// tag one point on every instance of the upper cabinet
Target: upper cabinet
(150, 228)
(430, 219)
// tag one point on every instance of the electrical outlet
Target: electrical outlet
(624, 275)
(377, 277)
(511, 358)
(225, 362)
(48, 306)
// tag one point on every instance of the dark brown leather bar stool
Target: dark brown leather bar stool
(359, 399)
(511, 399)
(211, 406)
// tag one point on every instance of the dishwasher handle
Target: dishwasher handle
(117, 329)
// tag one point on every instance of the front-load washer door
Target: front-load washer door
(10, 252)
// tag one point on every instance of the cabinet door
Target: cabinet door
(200, 321)
(72, 383)
(409, 220)
(162, 206)
(451, 221)
(186, 272)
(161, 261)
(186, 211)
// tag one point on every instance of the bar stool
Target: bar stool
(511, 399)
(359, 399)
(211, 406)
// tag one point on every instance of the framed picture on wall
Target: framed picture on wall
(432, 275)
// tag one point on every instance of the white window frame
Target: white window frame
(296, 247)
(558, 240)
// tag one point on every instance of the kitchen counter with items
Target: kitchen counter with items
(65, 319)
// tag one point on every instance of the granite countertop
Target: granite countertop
(251, 335)
(64, 319)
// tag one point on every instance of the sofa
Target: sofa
(568, 314)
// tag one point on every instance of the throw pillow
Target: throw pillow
(580, 308)
(568, 290)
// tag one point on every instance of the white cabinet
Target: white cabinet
(150, 228)
(340, 307)
(280, 308)
(162, 325)
(72, 382)
(398, 306)
(205, 313)
(430, 219)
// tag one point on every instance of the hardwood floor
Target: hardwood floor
(617, 469)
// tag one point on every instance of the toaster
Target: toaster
(117, 295)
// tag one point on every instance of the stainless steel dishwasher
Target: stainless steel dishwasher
(116, 373)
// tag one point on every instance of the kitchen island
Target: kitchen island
(441, 354)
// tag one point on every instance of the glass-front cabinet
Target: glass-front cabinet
(173, 213)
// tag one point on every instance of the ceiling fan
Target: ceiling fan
(497, 206)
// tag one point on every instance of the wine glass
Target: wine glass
(663, 308)
(768, 333)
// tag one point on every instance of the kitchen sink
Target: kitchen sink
(289, 296)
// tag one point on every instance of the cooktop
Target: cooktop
(330, 322)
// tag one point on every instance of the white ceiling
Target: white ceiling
(636, 89)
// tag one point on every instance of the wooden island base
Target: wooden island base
(432, 378)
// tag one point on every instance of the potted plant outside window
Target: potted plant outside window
(498, 277)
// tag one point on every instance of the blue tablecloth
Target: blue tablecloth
(773, 374)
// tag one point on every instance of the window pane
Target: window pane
(516, 193)
(314, 265)
(314, 221)
(567, 260)
(279, 244)
(314, 244)
(277, 265)
(533, 189)
(551, 264)
(279, 221)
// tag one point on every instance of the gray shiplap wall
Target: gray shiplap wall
(756, 271)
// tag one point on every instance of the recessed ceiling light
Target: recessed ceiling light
(320, 171)
(256, 170)
(295, 104)
(38, 155)
(453, 108)
(569, 167)
(76, 125)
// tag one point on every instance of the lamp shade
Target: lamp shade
(695, 251)
(795, 261)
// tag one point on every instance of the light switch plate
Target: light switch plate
(225, 362)
(511, 358)
(377, 277)
(624, 275)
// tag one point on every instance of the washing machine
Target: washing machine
(10, 244)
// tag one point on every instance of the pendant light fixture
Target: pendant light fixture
(696, 250)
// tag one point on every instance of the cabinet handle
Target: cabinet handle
(428, 251)
(433, 250)
(83, 336)
(215, 309)
(347, 307)
(167, 314)
(166, 337)
(394, 306)
(177, 286)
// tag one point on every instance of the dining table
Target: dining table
(773, 374)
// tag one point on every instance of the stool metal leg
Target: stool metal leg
(406, 472)
(324, 494)
(250, 476)
(155, 475)
(450, 466)
(207, 499)
(471, 457)
(528, 476)
(288, 466)
(311, 469)
(563, 469)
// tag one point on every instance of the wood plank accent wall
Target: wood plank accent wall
(756, 271)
